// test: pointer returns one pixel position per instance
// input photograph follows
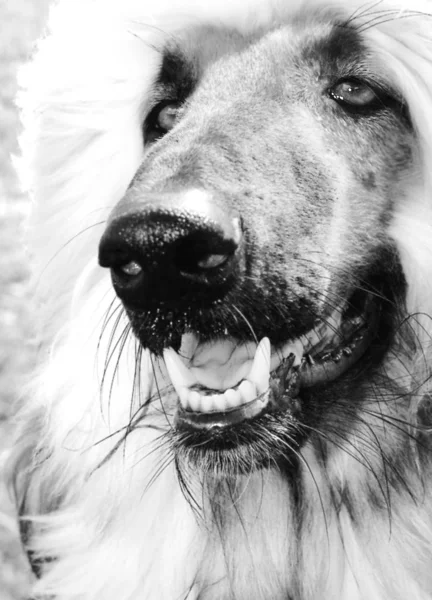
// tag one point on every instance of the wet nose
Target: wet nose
(171, 249)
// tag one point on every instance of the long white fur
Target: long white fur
(117, 537)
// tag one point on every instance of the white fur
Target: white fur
(117, 537)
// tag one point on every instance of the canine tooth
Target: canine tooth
(179, 374)
(147, 374)
(232, 398)
(247, 390)
(195, 401)
(259, 373)
(337, 357)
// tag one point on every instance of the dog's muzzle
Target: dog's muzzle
(177, 262)
(171, 250)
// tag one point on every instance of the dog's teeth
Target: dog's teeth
(183, 379)
(295, 348)
(259, 373)
(219, 403)
(206, 404)
(147, 374)
(179, 374)
(232, 398)
(184, 394)
(247, 391)
(194, 401)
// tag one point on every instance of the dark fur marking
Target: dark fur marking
(337, 55)
(369, 180)
(178, 76)
(424, 413)
(338, 50)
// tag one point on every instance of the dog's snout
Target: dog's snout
(169, 244)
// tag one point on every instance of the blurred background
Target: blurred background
(21, 23)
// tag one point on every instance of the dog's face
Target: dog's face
(253, 240)
(256, 178)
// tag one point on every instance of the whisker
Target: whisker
(66, 244)
(248, 323)
(378, 21)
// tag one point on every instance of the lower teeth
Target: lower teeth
(291, 367)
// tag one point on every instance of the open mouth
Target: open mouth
(225, 382)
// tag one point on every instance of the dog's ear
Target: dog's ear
(403, 47)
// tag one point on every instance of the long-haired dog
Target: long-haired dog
(232, 242)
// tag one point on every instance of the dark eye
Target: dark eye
(160, 120)
(355, 95)
(167, 117)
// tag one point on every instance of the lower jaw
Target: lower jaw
(282, 396)
(271, 440)
(270, 431)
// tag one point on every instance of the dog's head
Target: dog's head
(264, 174)
(254, 178)
(253, 247)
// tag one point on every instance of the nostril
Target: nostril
(129, 276)
(131, 269)
(198, 254)
(173, 252)
(212, 261)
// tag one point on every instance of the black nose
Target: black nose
(171, 249)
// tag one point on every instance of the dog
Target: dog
(231, 241)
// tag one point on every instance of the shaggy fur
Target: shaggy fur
(115, 504)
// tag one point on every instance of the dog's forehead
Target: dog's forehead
(327, 49)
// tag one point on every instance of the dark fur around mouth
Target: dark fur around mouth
(276, 436)
(252, 310)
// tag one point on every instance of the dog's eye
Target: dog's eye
(354, 94)
(360, 98)
(167, 117)
(161, 120)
